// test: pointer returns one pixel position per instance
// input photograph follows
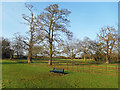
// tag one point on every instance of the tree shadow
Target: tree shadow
(40, 62)
(13, 62)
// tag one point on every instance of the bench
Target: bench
(57, 70)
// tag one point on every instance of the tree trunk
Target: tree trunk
(107, 55)
(84, 57)
(17, 55)
(107, 59)
(50, 36)
(29, 57)
(11, 57)
(72, 55)
(36, 56)
(30, 51)
(29, 60)
(50, 53)
(30, 44)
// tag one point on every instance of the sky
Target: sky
(87, 18)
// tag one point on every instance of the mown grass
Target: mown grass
(19, 74)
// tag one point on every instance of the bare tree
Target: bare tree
(53, 21)
(31, 22)
(109, 36)
(95, 50)
(71, 48)
(85, 45)
(18, 45)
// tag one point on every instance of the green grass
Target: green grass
(19, 74)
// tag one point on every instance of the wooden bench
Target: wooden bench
(57, 70)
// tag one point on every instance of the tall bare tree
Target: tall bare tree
(31, 22)
(109, 36)
(53, 21)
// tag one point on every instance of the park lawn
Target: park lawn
(37, 75)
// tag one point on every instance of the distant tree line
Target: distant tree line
(48, 36)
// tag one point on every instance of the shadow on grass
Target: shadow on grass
(115, 63)
(13, 63)
(19, 62)
(65, 73)
(40, 62)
